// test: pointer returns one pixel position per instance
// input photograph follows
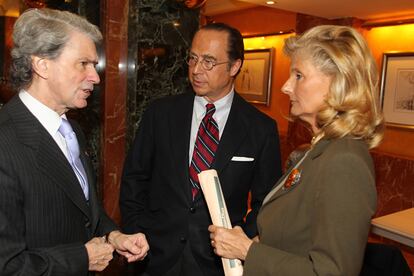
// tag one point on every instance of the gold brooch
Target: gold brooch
(292, 179)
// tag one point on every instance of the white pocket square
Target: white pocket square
(242, 159)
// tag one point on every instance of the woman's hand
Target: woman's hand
(229, 243)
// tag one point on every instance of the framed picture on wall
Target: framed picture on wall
(397, 89)
(255, 78)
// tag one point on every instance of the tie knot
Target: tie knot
(210, 109)
(65, 128)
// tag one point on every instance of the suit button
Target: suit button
(183, 240)
(192, 210)
(88, 224)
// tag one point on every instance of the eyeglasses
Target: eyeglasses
(206, 64)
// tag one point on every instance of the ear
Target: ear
(40, 66)
(235, 67)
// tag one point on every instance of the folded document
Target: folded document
(216, 204)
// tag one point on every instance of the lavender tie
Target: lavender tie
(73, 148)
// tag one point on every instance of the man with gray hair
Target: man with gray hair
(51, 222)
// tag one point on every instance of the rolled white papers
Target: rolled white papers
(216, 204)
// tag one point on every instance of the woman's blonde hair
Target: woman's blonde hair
(351, 106)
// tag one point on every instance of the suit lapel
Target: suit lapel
(313, 154)
(180, 122)
(233, 134)
(51, 160)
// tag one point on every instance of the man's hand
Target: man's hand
(132, 247)
(99, 253)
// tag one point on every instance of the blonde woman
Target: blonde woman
(316, 219)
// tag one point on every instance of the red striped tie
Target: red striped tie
(205, 147)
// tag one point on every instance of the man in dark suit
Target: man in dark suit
(157, 196)
(51, 222)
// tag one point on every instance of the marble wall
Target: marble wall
(395, 187)
(160, 33)
(114, 27)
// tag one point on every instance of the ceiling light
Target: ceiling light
(270, 2)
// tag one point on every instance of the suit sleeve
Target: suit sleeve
(344, 204)
(136, 176)
(105, 223)
(15, 258)
(267, 171)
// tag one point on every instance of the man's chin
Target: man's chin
(199, 92)
(81, 104)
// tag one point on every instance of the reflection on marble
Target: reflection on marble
(160, 34)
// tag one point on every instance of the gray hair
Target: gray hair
(43, 33)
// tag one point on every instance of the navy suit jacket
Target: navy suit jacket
(45, 219)
(156, 193)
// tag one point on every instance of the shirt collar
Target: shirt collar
(49, 119)
(221, 105)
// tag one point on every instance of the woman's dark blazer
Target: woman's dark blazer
(318, 226)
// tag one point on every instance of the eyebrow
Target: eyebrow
(210, 57)
(93, 61)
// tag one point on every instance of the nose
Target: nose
(197, 68)
(93, 76)
(287, 87)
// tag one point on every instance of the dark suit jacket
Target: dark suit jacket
(44, 217)
(155, 192)
(320, 225)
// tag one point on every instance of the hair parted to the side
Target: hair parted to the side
(351, 106)
(43, 33)
(235, 42)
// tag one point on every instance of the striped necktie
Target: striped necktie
(204, 148)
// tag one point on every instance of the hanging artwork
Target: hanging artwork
(255, 78)
(397, 89)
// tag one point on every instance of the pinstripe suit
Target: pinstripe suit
(44, 217)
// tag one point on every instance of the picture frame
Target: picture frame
(397, 89)
(254, 81)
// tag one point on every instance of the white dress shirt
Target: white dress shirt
(221, 114)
